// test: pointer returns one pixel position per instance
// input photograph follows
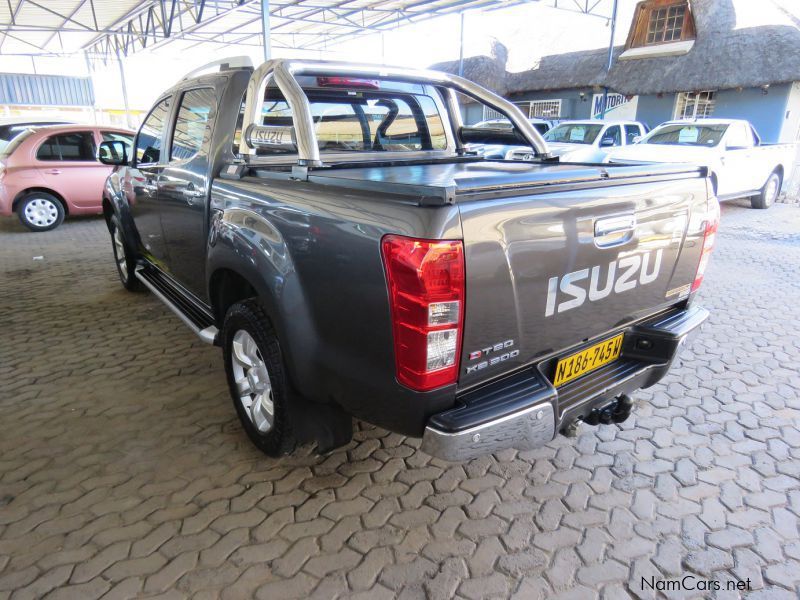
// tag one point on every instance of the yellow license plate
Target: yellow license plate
(582, 362)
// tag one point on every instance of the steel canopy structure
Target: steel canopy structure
(112, 29)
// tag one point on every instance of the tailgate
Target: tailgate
(548, 271)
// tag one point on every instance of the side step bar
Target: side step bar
(195, 317)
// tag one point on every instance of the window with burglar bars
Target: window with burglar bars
(666, 24)
(543, 109)
(694, 105)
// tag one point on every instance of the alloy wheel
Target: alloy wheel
(252, 381)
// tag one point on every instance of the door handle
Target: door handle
(53, 171)
(614, 231)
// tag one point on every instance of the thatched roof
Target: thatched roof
(488, 71)
(725, 55)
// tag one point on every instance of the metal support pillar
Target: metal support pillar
(461, 49)
(610, 60)
(124, 93)
(265, 29)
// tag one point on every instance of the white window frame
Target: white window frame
(531, 109)
(703, 104)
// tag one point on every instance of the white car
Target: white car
(585, 141)
(739, 164)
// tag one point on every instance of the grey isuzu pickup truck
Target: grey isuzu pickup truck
(323, 223)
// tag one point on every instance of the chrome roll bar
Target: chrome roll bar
(284, 71)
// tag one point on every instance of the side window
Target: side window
(191, 126)
(738, 137)
(68, 146)
(148, 142)
(632, 131)
(613, 133)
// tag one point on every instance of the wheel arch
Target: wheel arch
(227, 286)
(45, 190)
(714, 181)
(780, 172)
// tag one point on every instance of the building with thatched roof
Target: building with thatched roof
(726, 58)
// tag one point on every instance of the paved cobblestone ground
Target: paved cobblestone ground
(124, 473)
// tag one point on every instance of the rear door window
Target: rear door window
(150, 138)
(77, 146)
(632, 131)
(191, 125)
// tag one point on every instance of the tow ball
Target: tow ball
(616, 411)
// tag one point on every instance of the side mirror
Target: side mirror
(606, 141)
(636, 139)
(113, 153)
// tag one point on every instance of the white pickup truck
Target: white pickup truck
(739, 164)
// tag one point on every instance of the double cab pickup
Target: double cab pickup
(324, 225)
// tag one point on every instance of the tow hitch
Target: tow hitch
(616, 411)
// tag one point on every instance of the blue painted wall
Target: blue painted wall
(767, 112)
(652, 110)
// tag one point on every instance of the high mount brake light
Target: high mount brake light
(426, 296)
(352, 82)
(709, 238)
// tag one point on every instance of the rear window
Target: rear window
(381, 117)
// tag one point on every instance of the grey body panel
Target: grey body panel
(311, 250)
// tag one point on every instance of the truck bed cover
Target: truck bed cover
(446, 182)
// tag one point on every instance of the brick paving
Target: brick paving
(124, 473)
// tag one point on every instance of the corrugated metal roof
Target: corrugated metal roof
(108, 28)
(45, 90)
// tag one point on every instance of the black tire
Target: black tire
(249, 317)
(126, 264)
(40, 211)
(769, 193)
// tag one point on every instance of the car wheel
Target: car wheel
(124, 257)
(40, 211)
(257, 377)
(769, 193)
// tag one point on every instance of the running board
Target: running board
(195, 317)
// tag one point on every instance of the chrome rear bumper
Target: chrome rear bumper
(524, 411)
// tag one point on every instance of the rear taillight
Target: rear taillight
(709, 238)
(426, 298)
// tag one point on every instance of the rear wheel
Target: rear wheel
(124, 258)
(769, 193)
(40, 211)
(257, 377)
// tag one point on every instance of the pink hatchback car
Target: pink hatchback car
(47, 173)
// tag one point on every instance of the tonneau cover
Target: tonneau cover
(444, 182)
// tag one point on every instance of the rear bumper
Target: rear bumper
(524, 410)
